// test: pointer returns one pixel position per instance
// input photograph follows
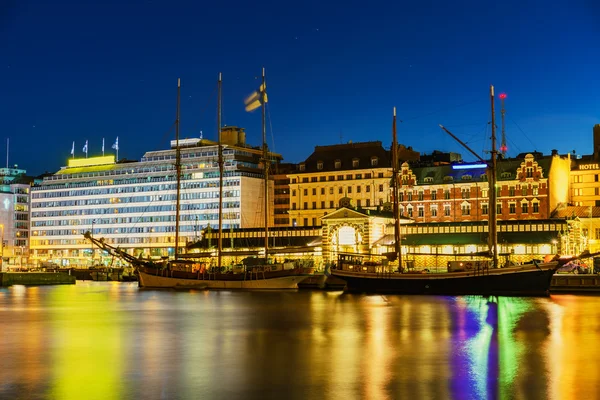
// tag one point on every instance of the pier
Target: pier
(35, 278)
(575, 283)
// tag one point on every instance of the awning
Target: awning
(460, 239)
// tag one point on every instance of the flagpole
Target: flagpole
(102, 147)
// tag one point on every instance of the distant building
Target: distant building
(342, 175)
(14, 216)
(528, 188)
(439, 158)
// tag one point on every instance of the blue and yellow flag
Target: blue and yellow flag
(257, 99)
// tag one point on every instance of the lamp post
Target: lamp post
(92, 235)
(2, 249)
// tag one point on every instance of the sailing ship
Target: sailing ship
(362, 275)
(254, 273)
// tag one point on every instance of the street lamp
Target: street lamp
(2, 249)
(92, 235)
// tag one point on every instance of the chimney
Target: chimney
(597, 142)
(554, 152)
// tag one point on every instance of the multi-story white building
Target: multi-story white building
(14, 217)
(132, 204)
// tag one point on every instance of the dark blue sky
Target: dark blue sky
(77, 70)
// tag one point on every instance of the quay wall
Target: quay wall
(35, 278)
(563, 283)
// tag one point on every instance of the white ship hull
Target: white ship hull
(155, 282)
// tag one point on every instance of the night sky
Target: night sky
(77, 70)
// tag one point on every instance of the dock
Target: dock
(572, 283)
(35, 278)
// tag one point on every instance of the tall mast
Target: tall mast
(493, 236)
(177, 169)
(221, 171)
(266, 163)
(397, 244)
(503, 147)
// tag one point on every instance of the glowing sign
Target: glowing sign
(469, 166)
(88, 162)
(589, 166)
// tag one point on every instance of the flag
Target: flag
(73, 149)
(116, 144)
(85, 147)
(102, 145)
(257, 99)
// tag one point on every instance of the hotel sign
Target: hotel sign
(589, 166)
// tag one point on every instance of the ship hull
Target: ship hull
(521, 281)
(218, 281)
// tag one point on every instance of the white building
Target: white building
(14, 217)
(132, 204)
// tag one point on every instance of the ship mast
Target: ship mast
(491, 171)
(493, 235)
(177, 169)
(266, 162)
(397, 244)
(221, 171)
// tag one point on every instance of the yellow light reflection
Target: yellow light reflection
(87, 359)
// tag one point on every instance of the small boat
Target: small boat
(364, 275)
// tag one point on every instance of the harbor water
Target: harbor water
(110, 340)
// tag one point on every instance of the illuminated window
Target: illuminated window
(319, 165)
(347, 236)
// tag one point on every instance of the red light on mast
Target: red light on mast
(502, 96)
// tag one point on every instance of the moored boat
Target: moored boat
(178, 273)
(521, 280)
(251, 278)
(531, 279)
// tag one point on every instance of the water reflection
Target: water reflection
(114, 341)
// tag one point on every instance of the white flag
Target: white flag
(116, 144)
(102, 145)
(85, 147)
(73, 149)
